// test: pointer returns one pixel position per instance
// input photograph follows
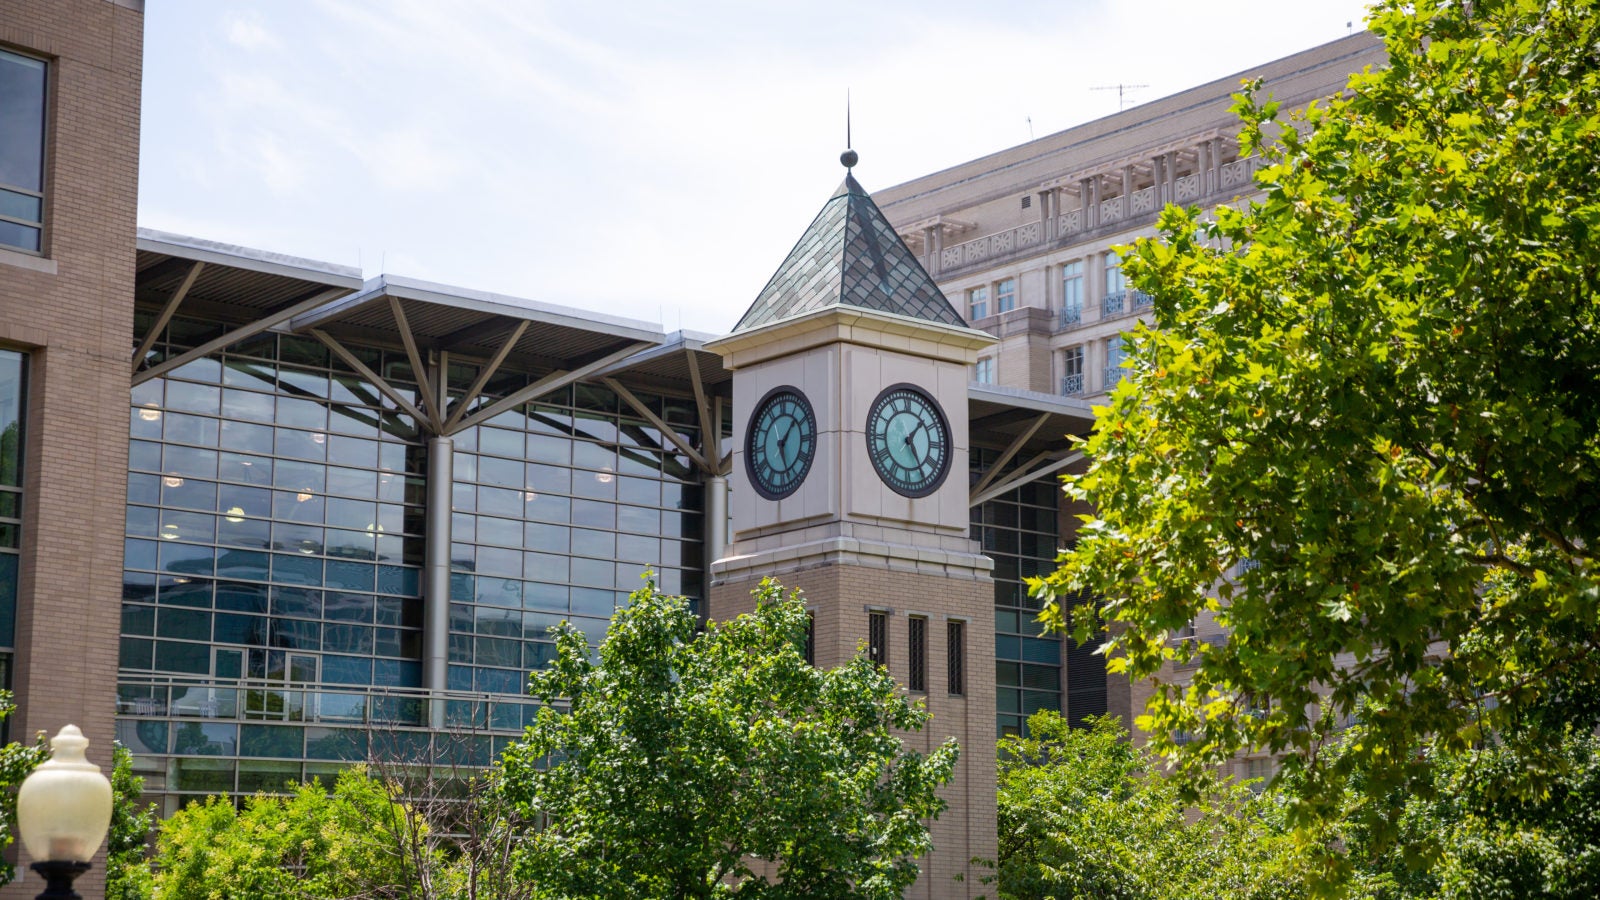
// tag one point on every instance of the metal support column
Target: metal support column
(716, 526)
(436, 577)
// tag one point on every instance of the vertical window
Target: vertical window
(956, 657)
(811, 639)
(12, 391)
(878, 638)
(977, 303)
(1072, 371)
(1116, 285)
(1071, 294)
(1114, 370)
(917, 680)
(1005, 295)
(983, 370)
(22, 95)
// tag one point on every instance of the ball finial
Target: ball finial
(848, 159)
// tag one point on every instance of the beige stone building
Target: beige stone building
(1022, 241)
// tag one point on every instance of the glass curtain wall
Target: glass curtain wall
(272, 612)
(1019, 531)
(13, 390)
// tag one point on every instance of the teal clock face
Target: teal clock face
(781, 443)
(908, 440)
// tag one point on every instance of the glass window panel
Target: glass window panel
(406, 611)
(464, 496)
(351, 451)
(205, 739)
(190, 659)
(142, 736)
(349, 576)
(298, 506)
(191, 429)
(270, 740)
(642, 491)
(195, 592)
(638, 521)
(352, 482)
(398, 642)
(190, 397)
(134, 653)
(592, 514)
(543, 596)
(301, 444)
(501, 442)
(498, 652)
(249, 405)
(358, 515)
(549, 448)
(187, 559)
(298, 634)
(350, 544)
(593, 602)
(500, 591)
(546, 507)
(298, 476)
(546, 537)
(306, 539)
(346, 669)
(138, 619)
(141, 521)
(187, 526)
(242, 564)
(497, 622)
(139, 586)
(500, 502)
(638, 549)
(189, 493)
(248, 469)
(552, 479)
(500, 561)
(598, 573)
(242, 597)
(348, 607)
(250, 631)
(272, 777)
(235, 501)
(601, 484)
(348, 639)
(545, 567)
(301, 413)
(397, 673)
(464, 466)
(240, 532)
(348, 744)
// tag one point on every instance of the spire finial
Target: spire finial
(849, 157)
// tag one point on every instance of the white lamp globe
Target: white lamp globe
(64, 807)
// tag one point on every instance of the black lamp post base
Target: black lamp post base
(58, 878)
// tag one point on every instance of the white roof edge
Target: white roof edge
(265, 261)
(494, 304)
(1034, 400)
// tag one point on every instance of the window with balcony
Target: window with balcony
(1005, 295)
(1116, 295)
(1114, 370)
(22, 112)
(977, 303)
(1072, 371)
(983, 370)
(1071, 294)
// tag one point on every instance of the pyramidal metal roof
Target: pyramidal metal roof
(850, 256)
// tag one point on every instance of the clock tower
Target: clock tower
(850, 374)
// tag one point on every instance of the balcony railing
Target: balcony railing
(1114, 303)
(1140, 299)
(1071, 315)
(1114, 374)
(1072, 385)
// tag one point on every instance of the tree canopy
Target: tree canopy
(1366, 435)
(719, 763)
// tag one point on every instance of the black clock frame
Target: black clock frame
(750, 437)
(938, 478)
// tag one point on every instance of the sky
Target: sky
(649, 160)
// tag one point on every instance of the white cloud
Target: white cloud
(247, 30)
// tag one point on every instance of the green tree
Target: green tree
(16, 762)
(1378, 386)
(128, 875)
(311, 844)
(1086, 813)
(691, 764)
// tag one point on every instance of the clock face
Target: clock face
(781, 442)
(908, 441)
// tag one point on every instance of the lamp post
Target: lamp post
(63, 812)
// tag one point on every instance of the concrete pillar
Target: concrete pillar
(436, 577)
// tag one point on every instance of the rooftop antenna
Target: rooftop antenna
(1122, 90)
(849, 157)
(1030, 127)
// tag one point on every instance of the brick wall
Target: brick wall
(72, 311)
